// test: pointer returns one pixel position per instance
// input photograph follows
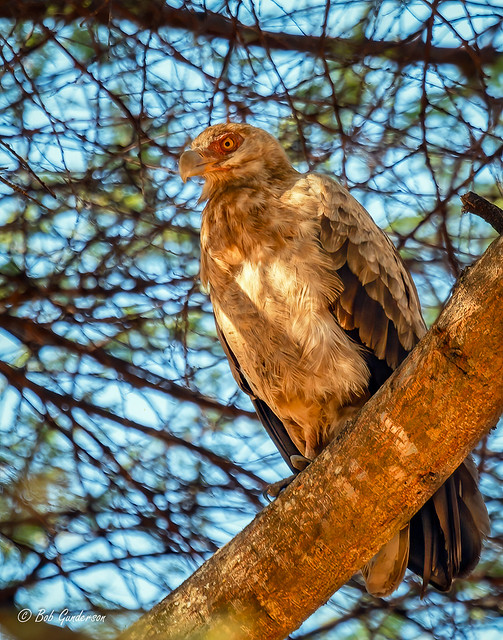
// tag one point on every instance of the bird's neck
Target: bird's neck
(241, 220)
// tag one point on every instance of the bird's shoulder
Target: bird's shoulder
(335, 203)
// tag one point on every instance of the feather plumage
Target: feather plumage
(314, 309)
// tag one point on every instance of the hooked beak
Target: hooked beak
(193, 164)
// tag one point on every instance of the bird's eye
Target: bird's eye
(227, 144)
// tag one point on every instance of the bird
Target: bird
(315, 309)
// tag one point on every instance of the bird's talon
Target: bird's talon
(299, 462)
(274, 489)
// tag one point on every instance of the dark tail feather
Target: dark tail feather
(429, 544)
(446, 534)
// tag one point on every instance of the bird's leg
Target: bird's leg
(273, 490)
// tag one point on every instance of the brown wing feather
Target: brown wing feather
(379, 297)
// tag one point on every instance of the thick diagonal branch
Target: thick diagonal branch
(367, 484)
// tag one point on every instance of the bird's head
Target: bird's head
(234, 153)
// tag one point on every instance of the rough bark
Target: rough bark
(401, 447)
(156, 13)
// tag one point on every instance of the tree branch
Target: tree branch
(367, 484)
(155, 14)
(29, 331)
(473, 203)
(66, 403)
